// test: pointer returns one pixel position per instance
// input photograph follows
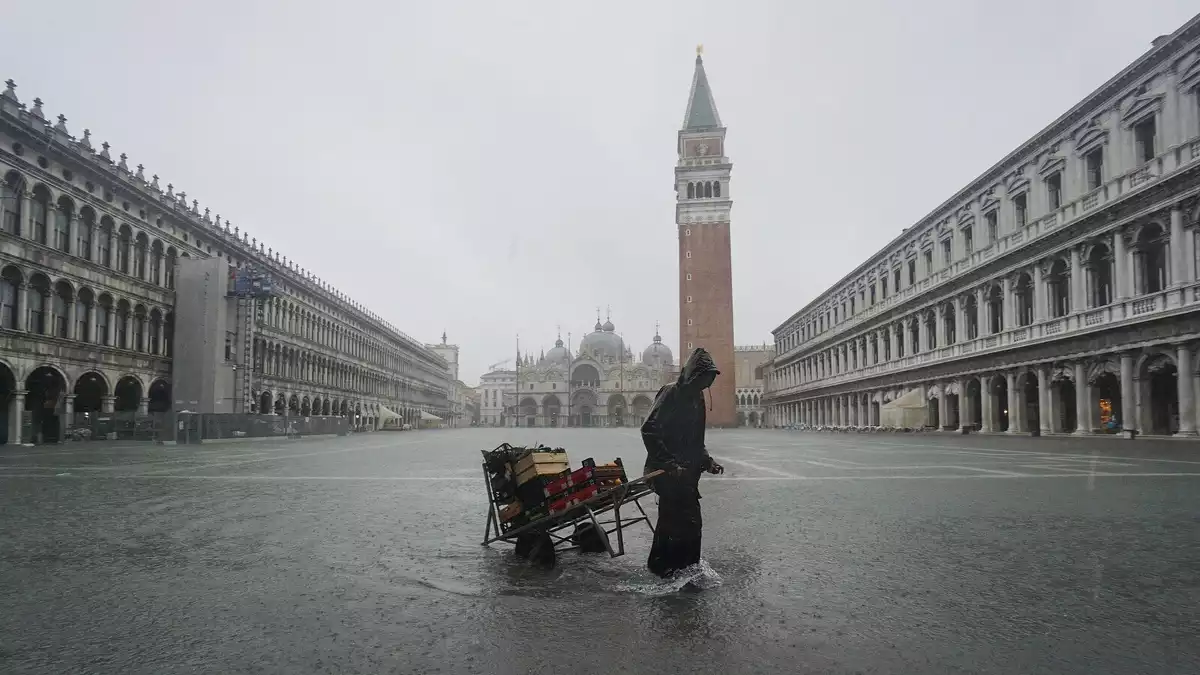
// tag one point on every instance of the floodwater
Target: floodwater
(823, 554)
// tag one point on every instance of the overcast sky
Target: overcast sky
(493, 168)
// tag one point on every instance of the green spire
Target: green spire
(701, 109)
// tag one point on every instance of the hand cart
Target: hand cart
(588, 511)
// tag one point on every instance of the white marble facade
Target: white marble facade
(1056, 293)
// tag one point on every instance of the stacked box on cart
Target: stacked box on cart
(540, 464)
(573, 499)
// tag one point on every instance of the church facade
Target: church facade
(603, 384)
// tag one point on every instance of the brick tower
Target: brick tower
(702, 217)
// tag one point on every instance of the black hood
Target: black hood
(699, 362)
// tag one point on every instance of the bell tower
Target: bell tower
(702, 206)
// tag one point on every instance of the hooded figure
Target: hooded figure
(674, 437)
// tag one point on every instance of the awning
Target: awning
(386, 413)
(429, 417)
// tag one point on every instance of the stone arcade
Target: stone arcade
(1057, 293)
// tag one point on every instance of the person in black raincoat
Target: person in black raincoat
(674, 437)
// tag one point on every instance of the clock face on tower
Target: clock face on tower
(702, 149)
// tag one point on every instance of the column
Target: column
(106, 403)
(1120, 271)
(112, 326)
(162, 270)
(1014, 415)
(1010, 306)
(92, 337)
(1078, 282)
(1178, 261)
(1039, 294)
(922, 334)
(964, 407)
(1045, 403)
(72, 329)
(1183, 380)
(939, 317)
(943, 408)
(1128, 393)
(97, 232)
(14, 421)
(146, 335)
(144, 406)
(27, 213)
(69, 409)
(982, 316)
(986, 424)
(1083, 411)
(72, 232)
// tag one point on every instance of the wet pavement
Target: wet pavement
(836, 554)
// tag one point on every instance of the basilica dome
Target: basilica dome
(657, 354)
(603, 342)
(559, 354)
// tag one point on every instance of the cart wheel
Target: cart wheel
(589, 539)
(543, 553)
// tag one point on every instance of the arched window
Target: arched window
(104, 319)
(1024, 296)
(104, 243)
(717, 189)
(63, 297)
(1099, 276)
(10, 202)
(10, 286)
(170, 267)
(122, 320)
(691, 191)
(971, 316)
(1150, 259)
(85, 232)
(931, 329)
(950, 324)
(156, 256)
(995, 310)
(1060, 289)
(40, 205)
(139, 255)
(83, 315)
(39, 288)
(62, 224)
(156, 331)
(708, 189)
(124, 244)
(139, 329)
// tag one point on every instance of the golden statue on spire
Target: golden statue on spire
(699, 49)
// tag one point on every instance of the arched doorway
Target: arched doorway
(616, 410)
(641, 408)
(999, 411)
(1106, 398)
(753, 418)
(305, 407)
(264, 402)
(1062, 387)
(129, 394)
(280, 405)
(1160, 391)
(1027, 385)
(973, 404)
(741, 418)
(294, 405)
(90, 390)
(584, 408)
(46, 388)
(528, 412)
(552, 409)
(932, 414)
(160, 396)
(8, 385)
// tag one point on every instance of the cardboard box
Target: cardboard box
(541, 464)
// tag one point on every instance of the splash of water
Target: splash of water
(700, 576)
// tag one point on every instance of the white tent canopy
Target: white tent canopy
(907, 411)
(386, 413)
(429, 417)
